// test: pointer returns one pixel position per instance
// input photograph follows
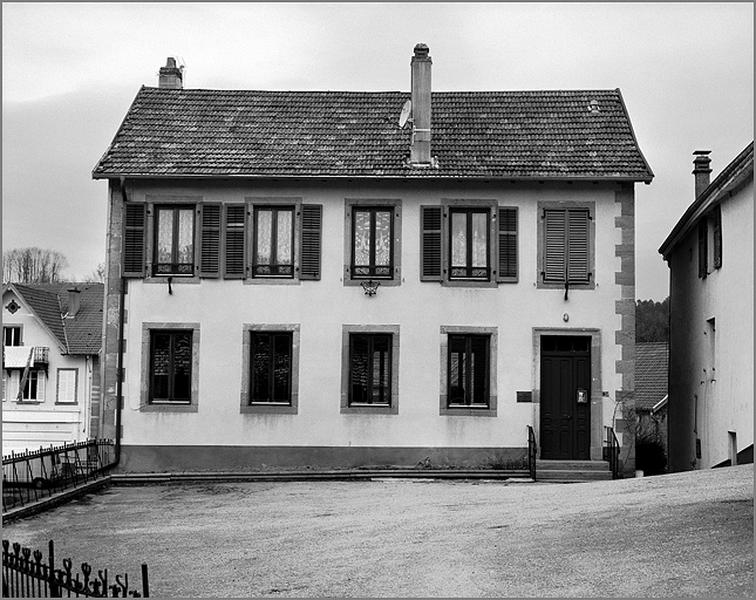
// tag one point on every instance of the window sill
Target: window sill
(464, 410)
(269, 408)
(178, 408)
(356, 280)
(30, 402)
(469, 283)
(559, 285)
(368, 409)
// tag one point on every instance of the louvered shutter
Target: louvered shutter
(578, 256)
(717, 231)
(430, 243)
(210, 234)
(554, 251)
(311, 236)
(702, 248)
(507, 244)
(234, 234)
(133, 239)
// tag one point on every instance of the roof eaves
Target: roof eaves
(729, 179)
(635, 139)
(120, 127)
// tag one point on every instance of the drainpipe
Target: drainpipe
(119, 380)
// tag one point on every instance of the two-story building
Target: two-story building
(335, 279)
(52, 335)
(710, 257)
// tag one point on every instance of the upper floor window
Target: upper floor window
(34, 388)
(174, 240)
(566, 245)
(372, 248)
(469, 244)
(274, 242)
(12, 335)
(710, 242)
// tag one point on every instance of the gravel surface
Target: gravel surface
(675, 535)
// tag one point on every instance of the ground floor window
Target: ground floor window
(370, 369)
(170, 366)
(34, 388)
(468, 370)
(271, 367)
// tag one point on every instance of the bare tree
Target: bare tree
(33, 265)
(96, 276)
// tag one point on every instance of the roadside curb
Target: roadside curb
(54, 500)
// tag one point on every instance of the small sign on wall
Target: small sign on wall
(525, 396)
(582, 396)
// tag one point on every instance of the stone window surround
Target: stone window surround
(567, 204)
(493, 238)
(444, 409)
(393, 408)
(144, 395)
(264, 407)
(396, 278)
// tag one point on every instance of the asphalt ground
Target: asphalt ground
(675, 535)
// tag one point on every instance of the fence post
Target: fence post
(54, 590)
(145, 582)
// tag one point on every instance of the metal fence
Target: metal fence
(33, 475)
(27, 575)
(611, 451)
(532, 453)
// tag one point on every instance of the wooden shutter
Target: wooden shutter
(507, 244)
(578, 243)
(234, 235)
(703, 248)
(210, 234)
(554, 248)
(311, 236)
(430, 243)
(717, 227)
(133, 239)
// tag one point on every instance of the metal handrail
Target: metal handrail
(532, 453)
(612, 450)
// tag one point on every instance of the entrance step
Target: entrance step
(572, 471)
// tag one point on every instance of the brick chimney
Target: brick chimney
(171, 77)
(701, 170)
(74, 301)
(420, 65)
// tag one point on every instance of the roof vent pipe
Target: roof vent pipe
(420, 66)
(701, 170)
(171, 76)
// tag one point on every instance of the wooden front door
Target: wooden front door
(565, 397)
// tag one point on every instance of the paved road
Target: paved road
(676, 535)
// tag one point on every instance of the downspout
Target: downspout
(119, 380)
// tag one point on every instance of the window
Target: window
(170, 367)
(468, 371)
(369, 369)
(12, 335)
(469, 244)
(67, 383)
(34, 388)
(274, 242)
(271, 367)
(174, 241)
(710, 242)
(565, 245)
(372, 250)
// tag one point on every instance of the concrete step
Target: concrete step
(573, 465)
(572, 471)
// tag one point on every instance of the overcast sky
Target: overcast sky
(70, 72)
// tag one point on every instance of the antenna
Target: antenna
(404, 116)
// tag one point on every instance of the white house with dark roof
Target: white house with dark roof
(52, 335)
(710, 257)
(340, 279)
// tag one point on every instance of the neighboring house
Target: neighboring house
(651, 370)
(334, 279)
(710, 257)
(52, 334)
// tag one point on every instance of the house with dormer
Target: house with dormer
(52, 335)
(332, 279)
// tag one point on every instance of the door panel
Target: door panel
(565, 422)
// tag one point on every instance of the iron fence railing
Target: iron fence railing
(532, 453)
(611, 451)
(33, 475)
(27, 575)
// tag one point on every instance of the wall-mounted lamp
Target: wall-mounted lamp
(370, 287)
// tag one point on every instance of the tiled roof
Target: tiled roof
(651, 359)
(526, 134)
(81, 334)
